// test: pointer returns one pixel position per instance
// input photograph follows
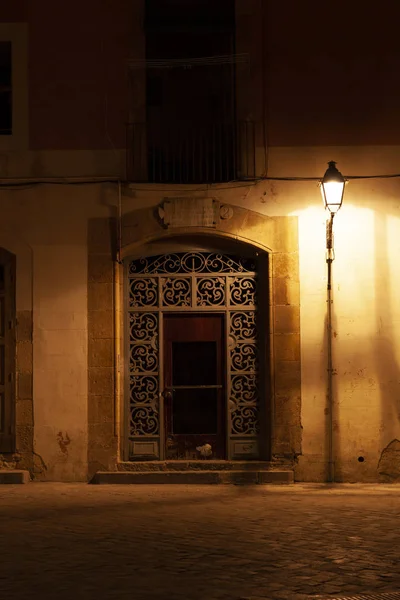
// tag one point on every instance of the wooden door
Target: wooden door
(194, 392)
(7, 351)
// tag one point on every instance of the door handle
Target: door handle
(168, 394)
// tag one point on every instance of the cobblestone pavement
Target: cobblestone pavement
(197, 542)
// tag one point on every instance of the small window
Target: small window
(154, 91)
(188, 15)
(5, 89)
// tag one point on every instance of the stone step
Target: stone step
(11, 476)
(202, 465)
(193, 477)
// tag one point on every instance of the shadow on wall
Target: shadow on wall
(380, 352)
(387, 366)
(331, 412)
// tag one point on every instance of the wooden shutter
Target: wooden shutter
(7, 352)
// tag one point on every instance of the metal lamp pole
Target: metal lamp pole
(332, 187)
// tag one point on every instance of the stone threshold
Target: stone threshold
(202, 465)
(13, 477)
(365, 596)
(196, 477)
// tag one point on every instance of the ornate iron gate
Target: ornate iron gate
(197, 282)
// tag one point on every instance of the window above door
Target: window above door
(14, 133)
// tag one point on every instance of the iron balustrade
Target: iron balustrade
(210, 153)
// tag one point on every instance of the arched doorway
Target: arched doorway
(196, 358)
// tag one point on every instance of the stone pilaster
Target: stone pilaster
(285, 347)
(24, 396)
(102, 427)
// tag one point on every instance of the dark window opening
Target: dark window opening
(154, 90)
(190, 134)
(179, 15)
(5, 89)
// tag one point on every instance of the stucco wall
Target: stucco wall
(47, 228)
(366, 312)
(82, 132)
(81, 94)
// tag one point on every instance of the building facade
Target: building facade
(163, 276)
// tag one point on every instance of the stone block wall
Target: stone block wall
(102, 421)
(285, 345)
(24, 392)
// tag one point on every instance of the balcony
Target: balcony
(211, 153)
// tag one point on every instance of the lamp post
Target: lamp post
(332, 188)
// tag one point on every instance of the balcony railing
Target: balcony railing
(214, 153)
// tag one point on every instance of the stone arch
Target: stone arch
(271, 234)
(279, 238)
(141, 230)
(210, 239)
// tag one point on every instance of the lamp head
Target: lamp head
(332, 188)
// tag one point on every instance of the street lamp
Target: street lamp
(332, 188)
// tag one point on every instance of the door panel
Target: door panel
(7, 351)
(194, 411)
(194, 386)
(194, 363)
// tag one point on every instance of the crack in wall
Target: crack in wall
(389, 462)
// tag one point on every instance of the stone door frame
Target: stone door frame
(249, 446)
(276, 236)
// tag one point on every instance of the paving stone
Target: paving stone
(191, 542)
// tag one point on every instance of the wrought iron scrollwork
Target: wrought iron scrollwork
(245, 420)
(143, 327)
(144, 421)
(210, 291)
(243, 325)
(144, 390)
(176, 291)
(191, 262)
(243, 291)
(244, 394)
(193, 281)
(244, 405)
(143, 292)
(143, 358)
(144, 364)
(244, 357)
(244, 389)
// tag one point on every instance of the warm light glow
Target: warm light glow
(332, 188)
(333, 192)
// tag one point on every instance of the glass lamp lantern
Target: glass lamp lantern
(332, 188)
